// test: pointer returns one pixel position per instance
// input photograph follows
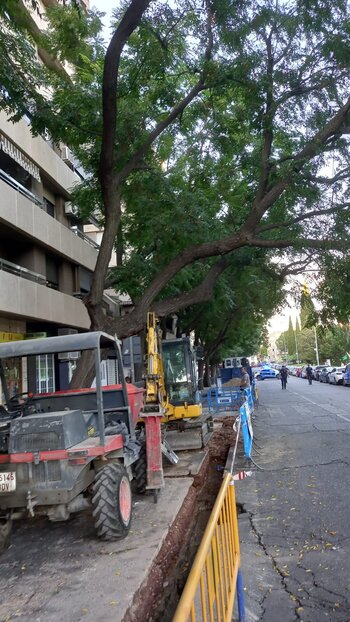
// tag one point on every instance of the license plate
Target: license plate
(7, 481)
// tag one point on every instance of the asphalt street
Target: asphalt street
(294, 526)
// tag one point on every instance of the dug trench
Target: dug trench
(157, 598)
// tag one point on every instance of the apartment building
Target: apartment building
(46, 260)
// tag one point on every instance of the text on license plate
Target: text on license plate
(7, 481)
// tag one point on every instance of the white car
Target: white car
(337, 375)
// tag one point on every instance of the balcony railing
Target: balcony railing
(21, 189)
(12, 268)
(40, 203)
(85, 237)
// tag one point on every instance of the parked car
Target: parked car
(321, 369)
(324, 374)
(316, 371)
(346, 377)
(336, 375)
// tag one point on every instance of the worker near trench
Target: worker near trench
(245, 380)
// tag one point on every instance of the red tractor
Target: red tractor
(65, 451)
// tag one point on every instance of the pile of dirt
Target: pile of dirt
(157, 599)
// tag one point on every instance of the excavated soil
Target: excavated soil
(157, 599)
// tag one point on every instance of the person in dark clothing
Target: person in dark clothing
(284, 376)
(309, 374)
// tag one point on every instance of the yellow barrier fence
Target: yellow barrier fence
(210, 589)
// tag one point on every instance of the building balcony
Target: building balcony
(22, 211)
(26, 295)
(41, 153)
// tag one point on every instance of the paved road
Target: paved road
(295, 525)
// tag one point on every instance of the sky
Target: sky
(279, 322)
(105, 6)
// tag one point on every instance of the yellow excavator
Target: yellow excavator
(171, 387)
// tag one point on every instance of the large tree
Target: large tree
(238, 115)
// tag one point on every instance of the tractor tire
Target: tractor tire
(139, 469)
(112, 503)
(5, 532)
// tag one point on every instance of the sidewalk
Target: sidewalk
(61, 573)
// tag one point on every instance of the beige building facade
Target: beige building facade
(46, 260)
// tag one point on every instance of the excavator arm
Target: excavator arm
(155, 384)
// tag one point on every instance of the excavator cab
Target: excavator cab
(180, 372)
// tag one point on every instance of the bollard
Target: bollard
(240, 597)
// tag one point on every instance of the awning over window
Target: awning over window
(16, 154)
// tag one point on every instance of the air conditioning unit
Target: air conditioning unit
(67, 155)
(70, 209)
(68, 356)
(67, 331)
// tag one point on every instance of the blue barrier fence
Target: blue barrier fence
(231, 398)
(225, 399)
(249, 398)
(247, 429)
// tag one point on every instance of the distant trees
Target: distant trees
(333, 342)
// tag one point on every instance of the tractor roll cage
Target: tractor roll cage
(73, 343)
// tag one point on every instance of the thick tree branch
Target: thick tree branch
(108, 178)
(267, 123)
(159, 128)
(202, 293)
(129, 22)
(293, 221)
(296, 267)
(340, 176)
(341, 245)
(300, 90)
(312, 148)
(176, 110)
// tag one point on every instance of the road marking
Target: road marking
(319, 405)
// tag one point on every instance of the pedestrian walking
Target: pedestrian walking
(308, 371)
(284, 376)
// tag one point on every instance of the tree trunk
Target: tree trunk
(213, 373)
(207, 373)
(200, 374)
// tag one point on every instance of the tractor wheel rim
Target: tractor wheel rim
(125, 500)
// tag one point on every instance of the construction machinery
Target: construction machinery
(66, 451)
(171, 389)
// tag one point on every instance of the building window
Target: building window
(85, 279)
(51, 272)
(49, 207)
(45, 373)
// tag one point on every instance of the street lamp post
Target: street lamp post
(316, 347)
(296, 346)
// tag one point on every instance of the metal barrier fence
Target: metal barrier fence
(215, 578)
(230, 398)
(224, 399)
